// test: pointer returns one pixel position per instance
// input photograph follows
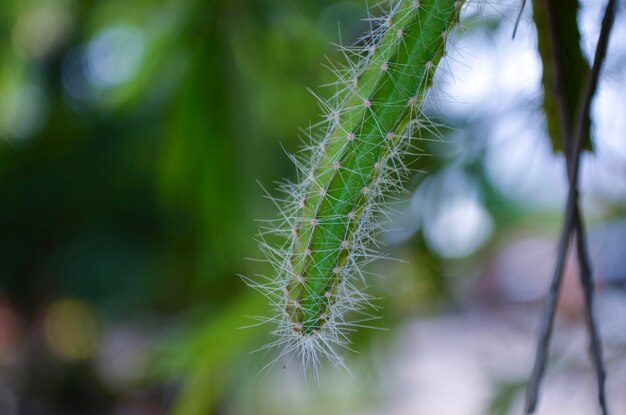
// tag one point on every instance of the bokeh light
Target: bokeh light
(71, 329)
(114, 55)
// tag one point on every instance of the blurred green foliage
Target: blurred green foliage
(151, 174)
(133, 138)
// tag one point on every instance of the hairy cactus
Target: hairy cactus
(329, 218)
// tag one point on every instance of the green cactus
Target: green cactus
(329, 218)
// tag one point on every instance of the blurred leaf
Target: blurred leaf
(564, 66)
(207, 355)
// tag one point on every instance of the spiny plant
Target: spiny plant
(353, 160)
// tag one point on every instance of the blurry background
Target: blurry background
(132, 137)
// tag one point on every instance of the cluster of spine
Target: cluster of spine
(330, 217)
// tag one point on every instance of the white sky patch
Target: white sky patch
(490, 70)
(610, 130)
(472, 67)
(520, 163)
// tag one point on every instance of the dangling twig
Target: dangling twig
(573, 223)
(519, 17)
(586, 279)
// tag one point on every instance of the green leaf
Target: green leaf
(564, 66)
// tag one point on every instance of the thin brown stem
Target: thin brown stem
(586, 279)
(519, 17)
(549, 310)
(573, 224)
